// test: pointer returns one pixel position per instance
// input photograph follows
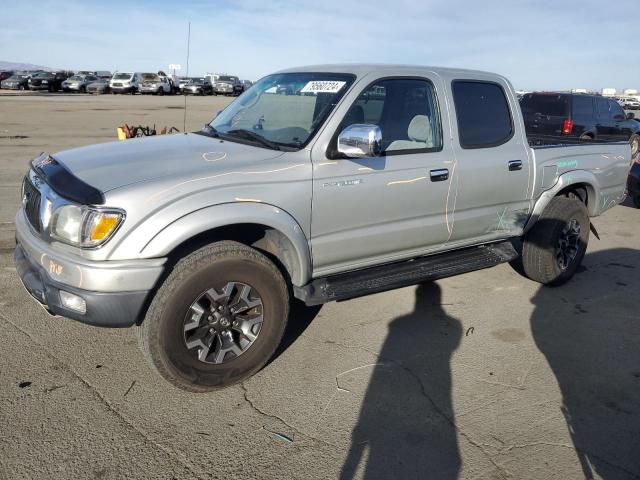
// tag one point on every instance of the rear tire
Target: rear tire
(554, 248)
(636, 201)
(182, 334)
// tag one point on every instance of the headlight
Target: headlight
(84, 226)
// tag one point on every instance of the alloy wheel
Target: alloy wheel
(568, 244)
(222, 324)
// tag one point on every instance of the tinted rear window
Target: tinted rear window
(551, 105)
(484, 118)
(582, 106)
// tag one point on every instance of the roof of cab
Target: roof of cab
(361, 69)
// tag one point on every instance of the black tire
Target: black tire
(634, 141)
(162, 336)
(542, 258)
(161, 92)
(83, 89)
(636, 201)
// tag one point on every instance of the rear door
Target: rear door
(583, 114)
(493, 164)
(605, 124)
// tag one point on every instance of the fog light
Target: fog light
(73, 302)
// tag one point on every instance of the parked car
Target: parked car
(4, 74)
(78, 83)
(633, 182)
(588, 117)
(101, 85)
(181, 82)
(125, 82)
(153, 83)
(226, 84)
(629, 103)
(198, 86)
(204, 255)
(47, 81)
(15, 82)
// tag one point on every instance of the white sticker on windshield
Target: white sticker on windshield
(323, 86)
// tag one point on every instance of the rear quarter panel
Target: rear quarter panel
(603, 166)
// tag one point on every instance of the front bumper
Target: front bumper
(39, 87)
(121, 89)
(72, 88)
(144, 89)
(115, 292)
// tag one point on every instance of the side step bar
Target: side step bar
(401, 274)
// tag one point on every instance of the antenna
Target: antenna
(184, 121)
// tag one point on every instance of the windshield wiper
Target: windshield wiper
(249, 135)
(209, 131)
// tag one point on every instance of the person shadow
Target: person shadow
(589, 332)
(405, 428)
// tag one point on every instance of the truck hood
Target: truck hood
(116, 164)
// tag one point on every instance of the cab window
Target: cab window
(406, 111)
(484, 118)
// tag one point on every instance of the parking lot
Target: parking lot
(484, 375)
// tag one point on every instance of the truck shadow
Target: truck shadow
(406, 428)
(589, 332)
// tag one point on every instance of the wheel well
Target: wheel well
(583, 191)
(271, 242)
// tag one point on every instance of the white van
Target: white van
(125, 82)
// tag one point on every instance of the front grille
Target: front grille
(32, 204)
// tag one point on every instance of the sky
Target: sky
(538, 45)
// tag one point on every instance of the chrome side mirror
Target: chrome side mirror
(360, 141)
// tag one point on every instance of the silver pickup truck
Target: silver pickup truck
(364, 179)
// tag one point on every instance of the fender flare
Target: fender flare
(292, 244)
(574, 177)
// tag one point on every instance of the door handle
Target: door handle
(439, 174)
(515, 165)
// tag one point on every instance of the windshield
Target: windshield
(196, 81)
(15, 77)
(43, 75)
(122, 76)
(150, 77)
(285, 108)
(225, 78)
(76, 77)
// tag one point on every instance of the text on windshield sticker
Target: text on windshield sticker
(322, 86)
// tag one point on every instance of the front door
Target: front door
(374, 210)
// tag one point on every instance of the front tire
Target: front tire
(217, 318)
(554, 248)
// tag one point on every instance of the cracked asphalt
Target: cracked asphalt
(482, 376)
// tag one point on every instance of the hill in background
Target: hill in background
(21, 66)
